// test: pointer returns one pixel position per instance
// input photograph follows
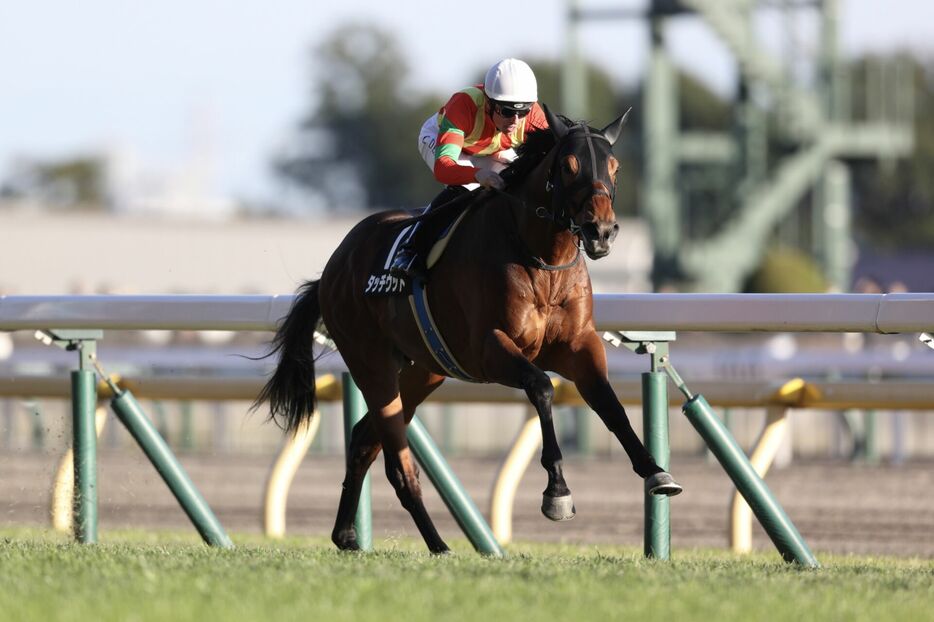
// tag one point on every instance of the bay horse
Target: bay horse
(512, 299)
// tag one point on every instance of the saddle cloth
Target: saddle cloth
(380, 283)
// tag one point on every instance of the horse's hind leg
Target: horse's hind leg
(363, 448)
(402, 472)
(388, 420)
(415, 384)
(504, 363)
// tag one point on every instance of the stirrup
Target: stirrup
(406, 264)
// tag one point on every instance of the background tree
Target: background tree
(605, 102)
(78, 183)
(358, 145)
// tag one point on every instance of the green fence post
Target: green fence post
(354, 411)
(655, 430)
(84, 438)
(760, 499)
(657, 527)
(157, 450)
(463, 509)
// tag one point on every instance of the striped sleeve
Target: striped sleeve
(450, 173)
(457, 120)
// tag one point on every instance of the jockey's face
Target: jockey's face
(507, 125)
(505, 120)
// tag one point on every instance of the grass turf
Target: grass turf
(136, 576)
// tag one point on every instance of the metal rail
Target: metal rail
(827, 395)
(866, 313)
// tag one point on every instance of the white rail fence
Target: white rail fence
(861, 313)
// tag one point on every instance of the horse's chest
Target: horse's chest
(542, 326)
(538, 314)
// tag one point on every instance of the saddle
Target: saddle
(381, 283)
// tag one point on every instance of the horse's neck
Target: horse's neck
(549, 241)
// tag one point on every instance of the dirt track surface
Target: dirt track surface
(837, 507)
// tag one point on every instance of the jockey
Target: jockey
(471, 139)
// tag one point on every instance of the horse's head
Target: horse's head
(583, 181)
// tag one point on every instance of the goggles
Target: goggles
(509, 110)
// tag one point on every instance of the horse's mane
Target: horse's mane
(530, 153)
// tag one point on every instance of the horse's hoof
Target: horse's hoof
(558, 508)
(346, 540)
(662, 484)
(445, 552)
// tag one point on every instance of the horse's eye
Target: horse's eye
(570, 166)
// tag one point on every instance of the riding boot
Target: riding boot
(410, 257)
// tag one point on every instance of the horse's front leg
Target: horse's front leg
(584, 363)
(504, 363)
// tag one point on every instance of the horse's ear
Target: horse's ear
(613, 130)
(558, 128)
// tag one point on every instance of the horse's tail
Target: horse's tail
(291, 390)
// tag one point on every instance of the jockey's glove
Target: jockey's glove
(489, 179)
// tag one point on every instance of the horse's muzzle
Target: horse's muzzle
(598, 238)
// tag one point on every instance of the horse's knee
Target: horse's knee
(540, 391)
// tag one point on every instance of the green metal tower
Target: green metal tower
(790, 142)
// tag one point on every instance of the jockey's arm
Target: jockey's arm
(457, 120)
(450, 173)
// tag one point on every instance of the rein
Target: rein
(536, 261)
(541, 265)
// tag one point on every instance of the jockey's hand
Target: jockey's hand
(489, 179)
(506, 156)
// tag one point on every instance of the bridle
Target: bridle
(558, 212)
(554, 185)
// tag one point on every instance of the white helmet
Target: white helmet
(511, 80)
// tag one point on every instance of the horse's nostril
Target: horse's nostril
(590, 230)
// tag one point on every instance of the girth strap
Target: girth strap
(440, 351)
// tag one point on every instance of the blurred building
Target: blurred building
(129, 253)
